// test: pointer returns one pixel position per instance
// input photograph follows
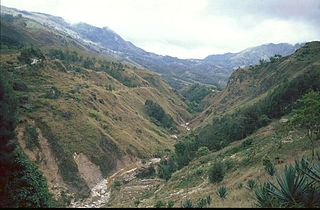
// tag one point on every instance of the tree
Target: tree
(307, 116)
(216, 172)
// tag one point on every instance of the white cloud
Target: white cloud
(190, 28)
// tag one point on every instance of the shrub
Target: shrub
(170, 204)
(159, 204)
(222, 192)
(216, 172)
(156, 112)
(251, 184)
(31, 137)
(136, 203)
(202, 151)
(116, 185)
(246, 143)
(268, 166)
(147, 173)
(209, 199)
(201, 203)
(187, 204)
(94, 114)
(199, 171)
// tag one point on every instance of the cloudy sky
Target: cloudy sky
(191, 28)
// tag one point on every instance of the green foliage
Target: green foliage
(116, 185)
(216, 173)
(31, 137)
(88, 63)
(167, 167)
(136, 203)
(170, 204)
(202, 151)
(156, 112)
(27, 54)
(222, 192)
(64, 200)
(22, 185)
(307, 116)
(268, 166)
(27, 186)
(251, 184)
(194, 95)
(294, 188)
(263, 198)
(240, 124)
(159, 204)
(67, 56)
(149, 172)
(185, 150)
(187, 204)
(203, 202)
(94, 114)
(246, 143)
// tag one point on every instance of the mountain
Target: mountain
(83, 122)
(252, 56)
(83, 116)
(222, 162)
(213, 70)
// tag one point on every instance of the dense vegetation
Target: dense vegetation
(243, 122)
(114, 69)
(297, 186)
(193, 96)
(21, 184)
(158, 115)
(28, 54)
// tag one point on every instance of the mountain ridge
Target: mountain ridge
(176, 71)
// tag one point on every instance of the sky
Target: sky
(191, 28)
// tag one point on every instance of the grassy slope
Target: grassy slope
(243, 163)
(109, 127)
(246, 86)
(116, 117)
(277, 140)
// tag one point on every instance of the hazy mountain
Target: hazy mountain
(251, 56)
(214, 70)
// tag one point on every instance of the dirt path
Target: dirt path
(100, 194)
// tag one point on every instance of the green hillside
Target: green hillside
(75, 105)
(74, 121)
(251, 123)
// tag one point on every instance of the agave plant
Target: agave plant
(292, 186)
(264, 199)
(297, 187)
(222, 192)
(251, 184)
(312, 171)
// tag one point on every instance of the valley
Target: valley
(89, 120)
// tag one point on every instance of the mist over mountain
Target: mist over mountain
(89, 120)
(213, 70)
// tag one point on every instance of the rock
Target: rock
(54, 93)
(284, 120)
(26, 106)
(20, 86)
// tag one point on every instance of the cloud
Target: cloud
(192, 28)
